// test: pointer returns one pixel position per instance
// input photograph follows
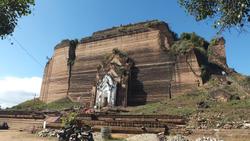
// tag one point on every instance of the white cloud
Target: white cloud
(14, 90)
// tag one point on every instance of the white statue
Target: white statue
(106, 92)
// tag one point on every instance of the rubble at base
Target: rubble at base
(176, 138)
(48, 133)
(208, 139)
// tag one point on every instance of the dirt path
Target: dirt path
(223, 134)
(14, 135)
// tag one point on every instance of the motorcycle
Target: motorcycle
(65, 133)
(76, 133)
(4, 126)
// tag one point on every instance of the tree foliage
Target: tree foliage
(226, 13)
(10, 12)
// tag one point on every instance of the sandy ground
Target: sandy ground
(225, 135)
(15, 135)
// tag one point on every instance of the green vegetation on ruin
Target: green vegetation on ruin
(216, 111)
(36, 104)
(132, 27)
(188, 42)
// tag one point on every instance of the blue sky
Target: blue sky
(55, 20)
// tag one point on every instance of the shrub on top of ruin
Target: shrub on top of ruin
(195, 39)
(188, 42)
(213, 43)
(182, 47)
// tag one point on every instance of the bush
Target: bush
(69, 119)
(188, 42)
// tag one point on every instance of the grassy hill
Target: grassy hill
(36, 104)
(201, 105)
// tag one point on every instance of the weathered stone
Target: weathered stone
(217, 54)
(48, 133)
(176, 138)
(207, 139)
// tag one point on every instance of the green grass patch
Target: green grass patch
(36, 104)
(183, 105)
(62, 104)
(186, 105)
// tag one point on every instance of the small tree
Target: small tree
(69, 119)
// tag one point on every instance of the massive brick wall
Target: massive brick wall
(217, 55)
(55, 79)
(143, 48)
(156, 74)
(187, 74)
